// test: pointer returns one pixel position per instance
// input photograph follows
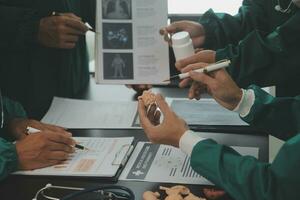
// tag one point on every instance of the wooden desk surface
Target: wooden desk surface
(25, 187)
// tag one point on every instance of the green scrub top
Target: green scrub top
(8, 153)
(262, 43)
(33, 74)
(244, 177)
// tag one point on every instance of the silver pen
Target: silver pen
(209, 68)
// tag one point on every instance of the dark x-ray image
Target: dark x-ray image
(116, 9)
(118, 66)
(117, 36)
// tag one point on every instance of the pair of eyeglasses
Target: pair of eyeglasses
(105, 192)
(2, 111)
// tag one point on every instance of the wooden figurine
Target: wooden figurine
(148, 98)
(178, 189)
(148, 195)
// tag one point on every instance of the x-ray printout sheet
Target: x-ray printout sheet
(206, 111)
(97, 162)
(129, 48)
(83, 114)
(166, 164)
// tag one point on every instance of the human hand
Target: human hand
(44, 149)
(196, 31)
(196, 88)
(220, 86)
(17, 127)
(169, 131)
(61, 31)
(139, 88)
(204, 56)
(199, 60)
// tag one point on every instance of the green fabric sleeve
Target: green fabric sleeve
(223, 29)
(262, 44)
(244, 177)
(8, 158)
(279, 116)
(266, 59)
(12, 110)
(19, 28)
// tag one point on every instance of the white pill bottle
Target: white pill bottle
(182, 45)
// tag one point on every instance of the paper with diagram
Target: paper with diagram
(166, 164)
(102, 160)
(129, 49)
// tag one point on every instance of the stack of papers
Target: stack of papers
(84, 114)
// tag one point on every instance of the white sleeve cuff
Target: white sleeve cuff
(246, 103)
(188, 141)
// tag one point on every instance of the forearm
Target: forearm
(244, 177)
(8, 158)
(278, 116)
(223, 166)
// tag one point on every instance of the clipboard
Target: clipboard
(105, 160)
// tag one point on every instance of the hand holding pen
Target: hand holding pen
(31, 130)
(209, 68)
(61, 30)
(197, 88)
(44, 149)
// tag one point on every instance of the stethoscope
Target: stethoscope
(282, 10)
(2, 111)
(105, 192)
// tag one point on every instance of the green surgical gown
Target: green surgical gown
(31, 73)
(8, 154)
(262, 43)
(246, 178)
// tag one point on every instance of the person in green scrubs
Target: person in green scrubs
(49, 147)
(243, 177)
(44, 55)
(262, 41)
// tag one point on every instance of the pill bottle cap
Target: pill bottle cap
(181, 38)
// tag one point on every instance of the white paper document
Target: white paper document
(100, 161)
(129, 48)
(84, 114)
(166, 164)
(204, 112)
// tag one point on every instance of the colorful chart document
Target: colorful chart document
(103, 159)
(166, 164)
(129, 49)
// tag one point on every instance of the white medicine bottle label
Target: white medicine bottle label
(182, 45)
